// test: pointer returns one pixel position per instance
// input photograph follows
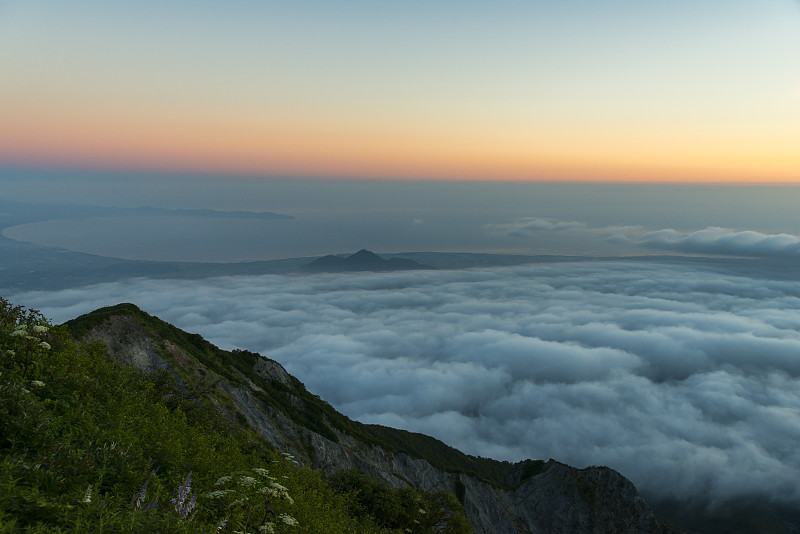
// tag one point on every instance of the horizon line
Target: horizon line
(189, 172)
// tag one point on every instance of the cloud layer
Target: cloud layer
(685, 378)
(712, 240)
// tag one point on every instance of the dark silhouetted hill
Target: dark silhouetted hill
(363, 260)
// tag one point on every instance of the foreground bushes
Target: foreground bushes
(88, 445)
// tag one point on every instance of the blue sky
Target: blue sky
(575, 90)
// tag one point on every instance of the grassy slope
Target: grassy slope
(312, 412)
(81, 436)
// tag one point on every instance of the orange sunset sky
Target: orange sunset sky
(572, 90)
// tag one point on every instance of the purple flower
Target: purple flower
(182, 492)
(138, 498)
(190, 505)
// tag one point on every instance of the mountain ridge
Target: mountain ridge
(499, 497)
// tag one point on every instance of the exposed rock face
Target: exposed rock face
(596, 499)
(536, 497)
(130, 343)
(272, 370)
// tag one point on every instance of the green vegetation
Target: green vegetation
(298, 404)
(393, 507)
(531, 468)
(89, 445)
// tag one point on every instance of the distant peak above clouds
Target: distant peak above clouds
(363, 260)
(712, 240)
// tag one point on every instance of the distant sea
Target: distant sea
(383, 216)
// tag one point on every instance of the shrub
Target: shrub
(88, 445)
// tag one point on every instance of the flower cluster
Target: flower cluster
(138, 499)
(247, 481)
(252, 502)
(21, 331)
(276, 491)
(26, 341)
(183, 507)
(287, 519)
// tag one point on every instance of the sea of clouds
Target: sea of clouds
(710, 240)
(685, 377)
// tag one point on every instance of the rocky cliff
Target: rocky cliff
(499, 497)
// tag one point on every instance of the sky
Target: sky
(574, 90)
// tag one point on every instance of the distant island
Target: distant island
(217, 214)
(363, 260)
(15, 213)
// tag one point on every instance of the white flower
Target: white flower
(19, 333)
(287, 519)
(217, 494)
(247, 481)
(289, 458)
(268, 528)
(261, 471)
(278, 487)
(37, 383)
(221, 480)
(44, 345)
(39, 329)
(269, 491)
